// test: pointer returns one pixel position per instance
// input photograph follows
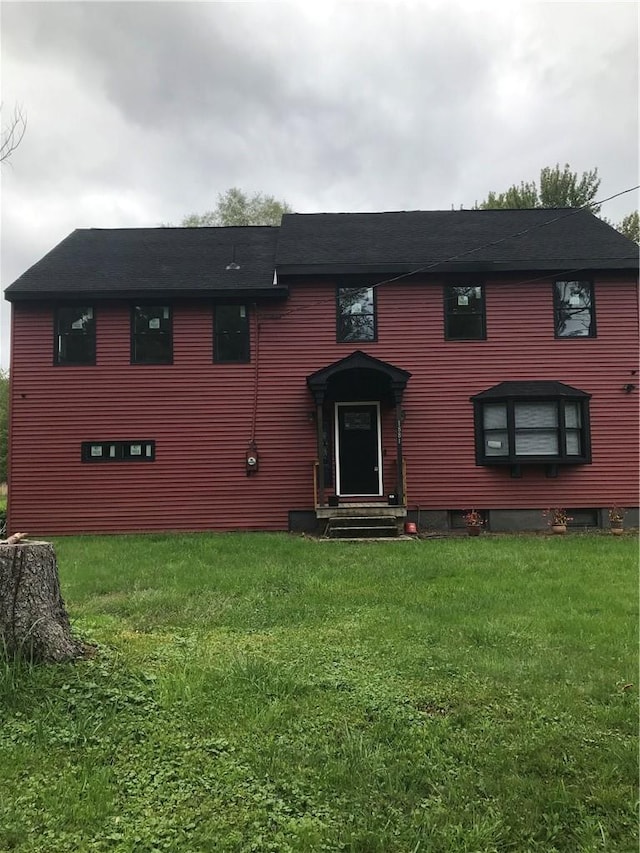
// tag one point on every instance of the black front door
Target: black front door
(358, 449)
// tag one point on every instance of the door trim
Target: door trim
(375, 403)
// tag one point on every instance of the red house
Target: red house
(391, 365)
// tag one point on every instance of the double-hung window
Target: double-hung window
(74, 335)
(231, 333)
(151, 334)
(532, 423)
(574, 310)
(355, 314)
(464, 312)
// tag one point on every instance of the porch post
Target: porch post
(319, 396)
(397, 393)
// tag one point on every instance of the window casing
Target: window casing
(521, 430)
(231, 334)
(74, 335)
(356, 314)
(151, 334)
(574, 309)
(464, 312)
(118, 451)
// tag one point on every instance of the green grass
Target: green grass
(270, 693)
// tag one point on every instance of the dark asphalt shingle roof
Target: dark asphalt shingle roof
(136, 261)
(544, 389)
(471, 238)
(192, 261)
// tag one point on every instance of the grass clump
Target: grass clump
(268, 693)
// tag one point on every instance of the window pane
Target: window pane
(573, 442)
(496, 443)
(356, 314)
(573, 309)
(537, 443)
(231, 333)
(464, 300)
(534, 415)
(465, 327)
(152, 318)
(572, 415)
(495, 416)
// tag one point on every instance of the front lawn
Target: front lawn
(257, 692)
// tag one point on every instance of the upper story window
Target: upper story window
(464, 313)
(231, 333)
(574, 309)
(75, 335)
(356, 314)
(151, 334)
(532, 423)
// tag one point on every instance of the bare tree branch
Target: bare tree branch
(12, 134)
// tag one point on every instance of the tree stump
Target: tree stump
(34, 624)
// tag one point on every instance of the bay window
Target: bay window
(532, 423)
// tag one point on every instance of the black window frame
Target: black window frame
(122, 451)
(449, 294)
(70, 333)
(515, 460)
(222, 335)
(341, 338)
(158, 335)
(558, 305)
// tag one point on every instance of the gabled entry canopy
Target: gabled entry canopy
(358, 377)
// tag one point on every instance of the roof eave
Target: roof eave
(272, 293)
(625, 264)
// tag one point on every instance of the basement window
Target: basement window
(118, 451)
(74, 335)
(532, 423)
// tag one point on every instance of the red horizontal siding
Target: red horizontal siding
(200, 414)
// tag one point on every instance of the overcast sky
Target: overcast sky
(139, 113)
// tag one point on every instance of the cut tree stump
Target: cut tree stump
(34, 624)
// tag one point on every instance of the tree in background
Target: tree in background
(235, 207)
(11, 135)
(559, 188)
(630, 226)
(4, 424)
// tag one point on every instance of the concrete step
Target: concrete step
(362, 527)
